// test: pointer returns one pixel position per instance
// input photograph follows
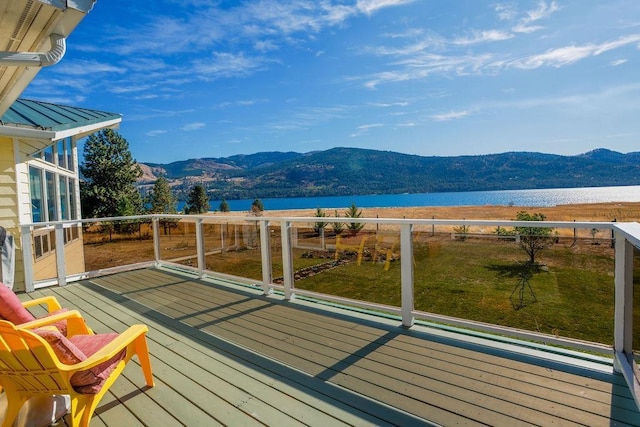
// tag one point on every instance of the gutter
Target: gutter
(36, 59)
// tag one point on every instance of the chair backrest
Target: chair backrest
(11, 307)
(28, 364)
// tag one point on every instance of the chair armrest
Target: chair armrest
(50, 301)
(75, 323)
(124, 340)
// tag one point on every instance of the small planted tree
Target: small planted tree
(338, 226)
(353, 212)
(320, 225)
(197, 200)
(224, 206)
(257, 207)
(533, 239)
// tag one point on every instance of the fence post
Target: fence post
(623, 279)
(265, 250)
(200, 249)
(156, 240)
(287, 260)
(406, 274)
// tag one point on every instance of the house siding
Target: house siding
(9, 211)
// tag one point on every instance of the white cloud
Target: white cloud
(567, 55)
(618, 62)
(362, 129)
(370, 6)
(228, 65)
(128, 89)
(505, 11)
(84, 68)
(157, 132)
(193, 126)
(451, 115)
(482, 37)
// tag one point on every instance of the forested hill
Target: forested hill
(348, 171)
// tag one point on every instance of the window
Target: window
(60, 154)
(69, 150)
(52, 183)
(37, 196)
(51, 196)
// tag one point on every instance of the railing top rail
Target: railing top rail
(388, 221)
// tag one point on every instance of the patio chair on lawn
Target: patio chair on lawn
(43, 362)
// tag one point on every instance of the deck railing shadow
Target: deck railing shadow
(292, 376)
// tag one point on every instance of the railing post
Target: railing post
(27, 258)
(623, 331)
(156, 240)
(406, 274)
(60, 258)
(200, 249)
(265, 250)
(222, 227)
(287, 260)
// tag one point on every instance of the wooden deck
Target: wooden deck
(225, 355)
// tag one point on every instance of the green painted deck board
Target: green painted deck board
(227, 356)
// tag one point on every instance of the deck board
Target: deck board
(230, 356)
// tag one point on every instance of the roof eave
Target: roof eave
(52, 135)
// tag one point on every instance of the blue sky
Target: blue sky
(199, 78)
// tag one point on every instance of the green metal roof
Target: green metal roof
(53, 117)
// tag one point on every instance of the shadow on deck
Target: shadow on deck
(226, 355)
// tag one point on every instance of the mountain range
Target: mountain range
(351, 171)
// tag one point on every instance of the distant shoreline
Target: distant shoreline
(596, 212)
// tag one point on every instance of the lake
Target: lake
(540, 197)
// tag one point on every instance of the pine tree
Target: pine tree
(224, 206)
(110, 174)
(257, 207)
(197, 200)
(354, 212)
(161, 199)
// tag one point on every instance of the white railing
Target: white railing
(625, 235)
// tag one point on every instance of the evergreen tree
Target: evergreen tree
(257, 207)
(197, 200)
(161, 199)
(354, 212)
(224, 206)
(337, 225)
(319, 226)
(110, 174)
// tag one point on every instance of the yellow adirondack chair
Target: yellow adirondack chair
(42, 362)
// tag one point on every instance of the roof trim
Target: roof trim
(43, 120)
(31, 133)
(81, 5)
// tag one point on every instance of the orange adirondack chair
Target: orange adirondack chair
(43, 362)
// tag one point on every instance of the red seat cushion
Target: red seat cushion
(77, 349)
(11, 308)
(60, 324)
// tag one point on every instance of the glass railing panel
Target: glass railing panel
(110, 244)
(355, 263)
(43, 241)
(486, 274)
(233, 247)
(177, 239)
